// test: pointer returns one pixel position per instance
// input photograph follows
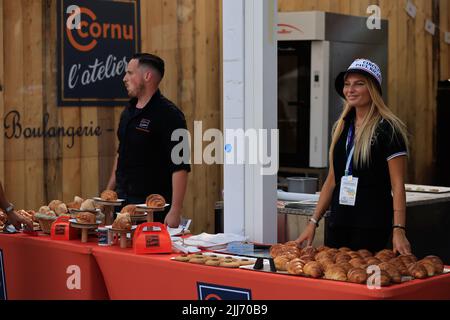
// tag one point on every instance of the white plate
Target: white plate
(118, 201)
(78, 210)
(75, 221)
(144, 206)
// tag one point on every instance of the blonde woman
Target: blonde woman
(365, 183)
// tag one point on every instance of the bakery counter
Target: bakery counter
(36, 267)
(159, 277)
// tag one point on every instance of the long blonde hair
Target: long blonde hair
(363, 138)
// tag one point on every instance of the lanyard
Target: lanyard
(350, 142)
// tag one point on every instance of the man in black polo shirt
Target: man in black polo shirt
(144, 164)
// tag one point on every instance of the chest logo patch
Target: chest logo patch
(144, 125)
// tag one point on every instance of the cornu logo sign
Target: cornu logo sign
(93, 29)
(95, 41)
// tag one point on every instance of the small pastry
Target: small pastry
(417, 271)
(182, 258)
(393, 272)
(197, 260)
(213, 262)
(281, 263)
(61, 209)
(245, 262)
(229, 264)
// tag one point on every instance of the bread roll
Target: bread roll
(108, 195)
(85, 218)
(313, 269)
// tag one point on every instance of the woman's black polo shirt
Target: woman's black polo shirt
(145, 165)
(373, 207)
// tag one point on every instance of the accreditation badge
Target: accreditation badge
(349, 186)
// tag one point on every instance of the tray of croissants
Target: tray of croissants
(343, 264)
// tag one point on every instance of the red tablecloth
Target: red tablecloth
(130, 276)
(37, 268)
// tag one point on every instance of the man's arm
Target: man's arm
(179, 184)
(112, 179)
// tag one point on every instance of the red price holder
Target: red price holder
(61, 229)
(152, 237)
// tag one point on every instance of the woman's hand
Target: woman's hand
(400, 243)
(307, 235)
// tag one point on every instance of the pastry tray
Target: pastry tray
(425, 189)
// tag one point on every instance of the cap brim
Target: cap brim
(340, 80)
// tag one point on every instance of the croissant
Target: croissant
(281, 263)
(342, 257)
(275, 250)
(122, 222)
(429, 267)
(326, 264)
(385, 255)
(336, 273)
(408, 259)
(295, 266)
(155, 201)
(129, 208)
(354, 254)
(344, 249)
(397, 262)
(437, 262)
(372, 261)
(313, 269)
(393, 272)
(306, 258)
(358, 263)
(322, 248)
(289, 255)
(385, 279)
(417, 271)
(292, 244)
(108, 195)
(85, 217)
(324, 255)
(357, 275)
(345, 265)
(365, 253)
(311, 251)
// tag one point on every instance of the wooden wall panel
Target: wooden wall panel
(2, 102)
(444, 19)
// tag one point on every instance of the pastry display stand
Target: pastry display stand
(259, 264)
(149, 210)
(122, 235)
(108, 208)
(85, 228)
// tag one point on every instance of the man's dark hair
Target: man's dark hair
(150, 60)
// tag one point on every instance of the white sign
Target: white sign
(411, 9)
(447, 37)
(430, 26)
